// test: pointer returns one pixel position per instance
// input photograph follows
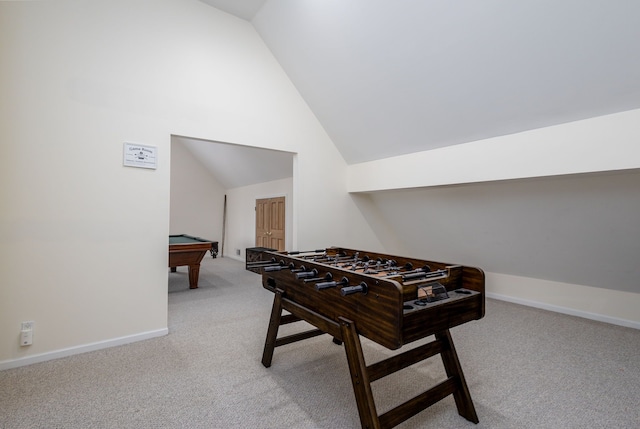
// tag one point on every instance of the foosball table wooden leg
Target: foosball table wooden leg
(454, 369)
(359, 377)
(272, 331)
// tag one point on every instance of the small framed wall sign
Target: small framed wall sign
(138, 155)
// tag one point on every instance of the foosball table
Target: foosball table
(388, 299)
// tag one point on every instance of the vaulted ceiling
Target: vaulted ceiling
(387, 78)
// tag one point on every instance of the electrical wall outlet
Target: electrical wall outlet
(26, 333)
(238, 252)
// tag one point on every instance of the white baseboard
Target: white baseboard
(604, 305)
(43, 357)
(565, 310)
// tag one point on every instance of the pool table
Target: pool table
(189, 250)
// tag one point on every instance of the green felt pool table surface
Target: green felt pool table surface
(186, 239)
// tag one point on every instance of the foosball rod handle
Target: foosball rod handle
(327, 277)
(307, 274)
(327, 285)
(362, 288)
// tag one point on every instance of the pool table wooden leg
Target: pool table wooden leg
(194, 273)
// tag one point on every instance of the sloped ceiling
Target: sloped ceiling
(394, 77)
(245, 9)
(234, 166)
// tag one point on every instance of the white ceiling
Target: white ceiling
(245, 9)
(234, 166)
(394, 77)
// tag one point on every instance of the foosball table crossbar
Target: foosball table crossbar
(362, 375)
(298, 337)
(419, 403)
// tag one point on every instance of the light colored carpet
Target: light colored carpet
(526, 368)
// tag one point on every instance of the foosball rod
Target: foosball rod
(338, 259)
(332, 259)
(389, 266)
(424, 275)
(279, 267)
(299, 252)
(254, 264)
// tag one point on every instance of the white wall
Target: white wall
(84, 239)
(550, 214)
(241, 215)
(605, 305)
(197, 198)
(604, 143)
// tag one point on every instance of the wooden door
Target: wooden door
(270, 226)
